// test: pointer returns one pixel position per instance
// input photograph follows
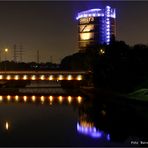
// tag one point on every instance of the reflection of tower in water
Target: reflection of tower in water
(112, 121)
(87, 124)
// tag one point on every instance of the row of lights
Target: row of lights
(42, 98)
(108, 11)
(96, 13)
(89, 15)
(41, 77)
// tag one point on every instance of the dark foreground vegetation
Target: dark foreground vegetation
(117, 66)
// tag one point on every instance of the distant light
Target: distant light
(79, 98)
(6, 50)
(51, 98)
(79, 77)
(69, 77)
(1, 77)
(25, 77)
(33, 98)
(8, 77)
(42, 77)
(42, 99)
(60, 99)
(16, 98)
(7, 125)
(33, 77)
(16, 77)
(102, 51)
(69, 99)
(25, 98)
(94, 14)
(108, 137)
(8, 97)
(1, 98)
(51, 77)
(60, 77)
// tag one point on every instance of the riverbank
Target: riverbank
(139, 97)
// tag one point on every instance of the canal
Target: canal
(70, 120)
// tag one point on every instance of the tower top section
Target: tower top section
(97, 13)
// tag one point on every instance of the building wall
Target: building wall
(94, 30)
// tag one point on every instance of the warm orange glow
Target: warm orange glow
(42, 99)
(33, 77)
(69, 77)
(60, 77)
(6, 50)
(1, 98)
(60, 99)
(51, 98)
(51, 77)
(42, 77)
(25, 98)
(102, 51)
(33, 98)
(1, 77)
(8, 77)
(16, 98)
(25, 77)
(69, 99)
(16, 77)
(86, 124)
(86, 36)
(8, 97)
(7, 125)
(86, 20)
(79, 77)
(79, 98)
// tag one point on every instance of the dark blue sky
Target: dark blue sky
(51, 28)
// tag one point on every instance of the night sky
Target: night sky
(51, 28)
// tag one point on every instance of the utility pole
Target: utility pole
(15, 53)
(18, 53)
(21, 53)
(38, 56)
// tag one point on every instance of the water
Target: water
(70, 121)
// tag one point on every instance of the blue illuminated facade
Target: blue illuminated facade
(96, 26)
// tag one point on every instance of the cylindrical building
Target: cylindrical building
(96, 26)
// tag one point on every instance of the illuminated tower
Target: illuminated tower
(96, 26)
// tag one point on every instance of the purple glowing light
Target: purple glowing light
(108, 137)
(92, 132)
(97, 13)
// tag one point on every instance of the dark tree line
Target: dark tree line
(11, 65)
(117, 66)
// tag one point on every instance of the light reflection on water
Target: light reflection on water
(93, 120)
(92, 131)
(42, 99)
(7, 125)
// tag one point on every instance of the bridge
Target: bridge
(43, 75)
